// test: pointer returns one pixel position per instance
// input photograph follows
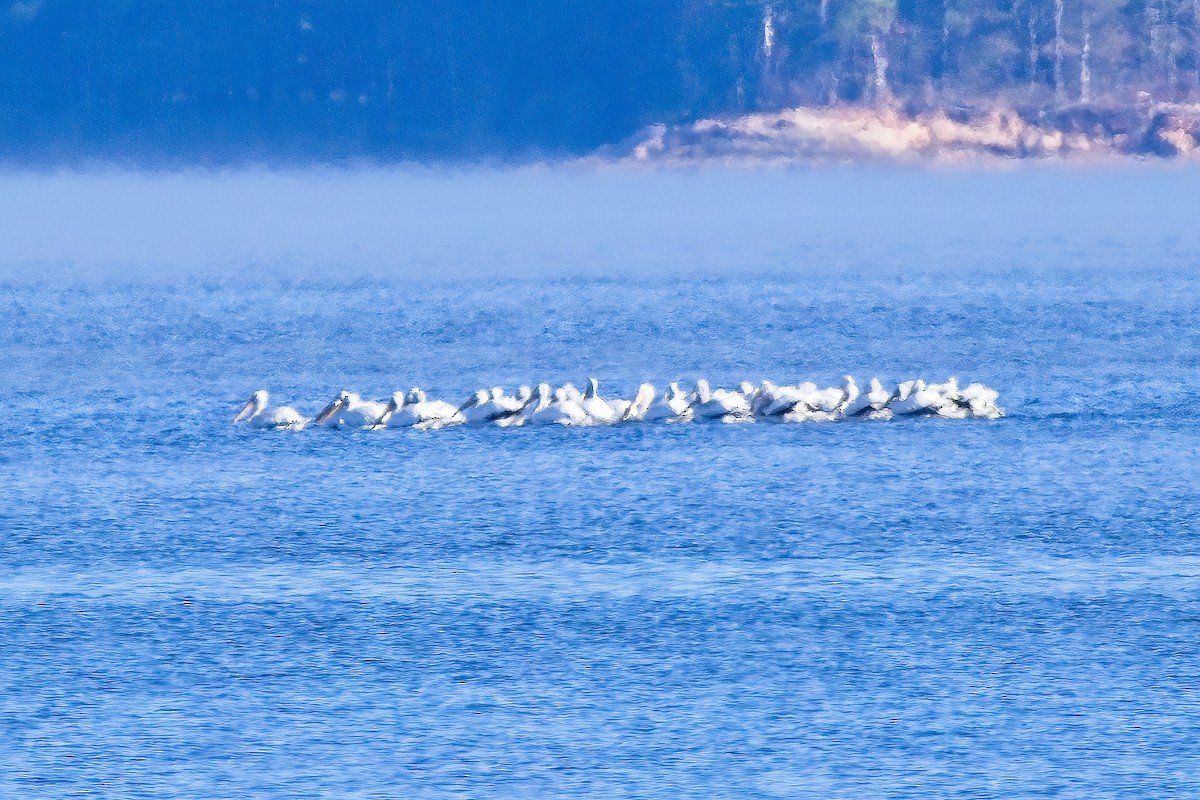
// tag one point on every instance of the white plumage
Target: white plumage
(257, 414)
(568, 406)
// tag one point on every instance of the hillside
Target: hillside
(138, 81)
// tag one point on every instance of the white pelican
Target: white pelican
(773, 401)
(874, 400)
(749, 391)
(554, 408)
(596, 407)
(485, 406)
(511, 405)
(948, 390)
(407, 410)
(819, 405)
(850, 392)
(952, 405)
(541, 399)
(625, 408)
(914, 397)
(349, 410)
(479, 407)
(982, 401)
(571, 393)
(519, 402)
(673, 406)
(257, 414)
(637, 408)
(720, 404)
(812, 406)
(833, 399)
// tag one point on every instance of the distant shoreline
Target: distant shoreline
(839, 134)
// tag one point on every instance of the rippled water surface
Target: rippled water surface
(918, 608)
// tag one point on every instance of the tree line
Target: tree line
(1048, 53)
(211, 79)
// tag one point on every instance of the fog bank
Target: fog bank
(546, 221)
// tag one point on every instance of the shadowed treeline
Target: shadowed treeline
(212, 81)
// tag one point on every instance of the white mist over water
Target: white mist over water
(568, 220)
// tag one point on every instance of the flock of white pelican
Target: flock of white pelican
(567, 405)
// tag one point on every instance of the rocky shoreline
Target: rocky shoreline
(852, 133)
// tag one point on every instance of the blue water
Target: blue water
(907, 609)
